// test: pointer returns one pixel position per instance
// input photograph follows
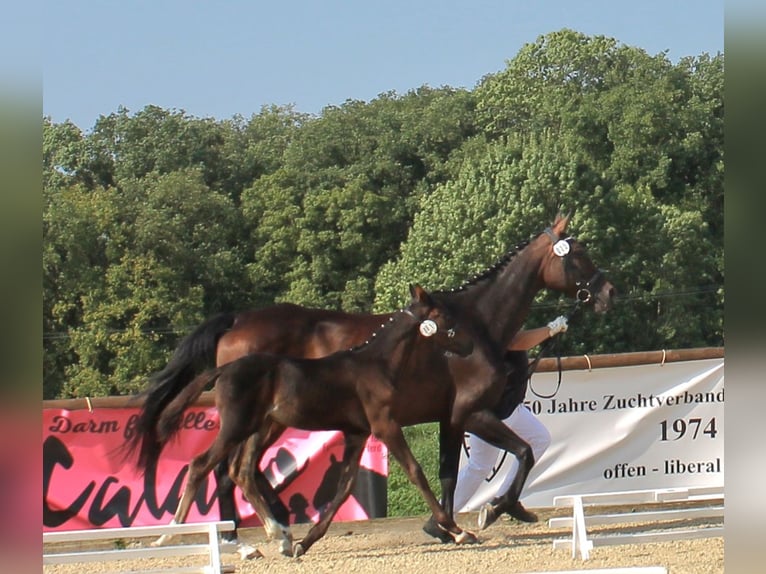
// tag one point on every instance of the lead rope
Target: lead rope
(543, 351)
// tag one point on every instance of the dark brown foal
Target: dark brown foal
(354, 391)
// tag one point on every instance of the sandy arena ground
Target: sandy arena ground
(397, 545)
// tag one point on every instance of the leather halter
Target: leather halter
(450, 332)
(584, 293)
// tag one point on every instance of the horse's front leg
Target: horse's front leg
(488, 427)
(352, 456)
(450, 440)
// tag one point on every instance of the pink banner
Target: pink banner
(87, 484)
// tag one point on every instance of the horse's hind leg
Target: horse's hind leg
(450, 440)
(226, 503)
(352, 456)
(199, 468)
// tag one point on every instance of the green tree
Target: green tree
(128, 269)
(587, 124)
(75, 260)
(155, 220)
(343, 200)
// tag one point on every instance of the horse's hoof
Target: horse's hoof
(520, 513)
(247, 552)
(298, 550)
(487, 516)
(466, 537)
(433, 529)
(286, 549)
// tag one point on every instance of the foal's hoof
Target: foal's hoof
(466, 537)
(520, 513)
(433, 529)
(161, 541)
(298, 550)
(487, 516)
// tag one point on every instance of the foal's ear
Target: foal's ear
(421, 295)
(561, 222)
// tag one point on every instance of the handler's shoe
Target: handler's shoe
(520, 513)
(488, 514)
(432, 528)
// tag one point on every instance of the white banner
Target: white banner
(623, 428)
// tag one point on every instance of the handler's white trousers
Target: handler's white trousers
(482, 457)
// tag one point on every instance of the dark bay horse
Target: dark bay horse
(461, 393)
(355, 391)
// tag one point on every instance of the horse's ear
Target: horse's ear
(419, 294)
(561, 222)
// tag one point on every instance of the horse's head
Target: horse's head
(438, 323)
(569, 269)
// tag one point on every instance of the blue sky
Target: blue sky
(218, 59)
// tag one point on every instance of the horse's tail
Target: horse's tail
(196, 352)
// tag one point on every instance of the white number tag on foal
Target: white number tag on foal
(428, 328)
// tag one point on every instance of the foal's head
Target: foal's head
(438, 323)
(570, 270)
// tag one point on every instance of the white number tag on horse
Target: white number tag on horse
(561, 247)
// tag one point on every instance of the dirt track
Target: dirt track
(398, 545)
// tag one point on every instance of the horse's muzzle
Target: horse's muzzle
(605, 298)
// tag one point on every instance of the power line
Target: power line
(635, 297)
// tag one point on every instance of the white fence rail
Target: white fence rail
(629, 570)
(212, 548)
(579, 521)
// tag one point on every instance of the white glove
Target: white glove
(558, 325)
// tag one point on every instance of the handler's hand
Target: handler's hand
(558, 325)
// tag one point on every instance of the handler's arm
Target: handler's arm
(525, 340)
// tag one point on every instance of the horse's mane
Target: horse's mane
(490, 271)
(382, 328)
(487, 273)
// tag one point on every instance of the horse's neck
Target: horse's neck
(389, 343)
(501, 302)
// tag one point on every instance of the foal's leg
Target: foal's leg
(352, 456)
(391, 434)
(487, 426)
(258, 490)
(247, 469)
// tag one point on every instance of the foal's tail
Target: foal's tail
(175, 388)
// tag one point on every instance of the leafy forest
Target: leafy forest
(155, 220)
